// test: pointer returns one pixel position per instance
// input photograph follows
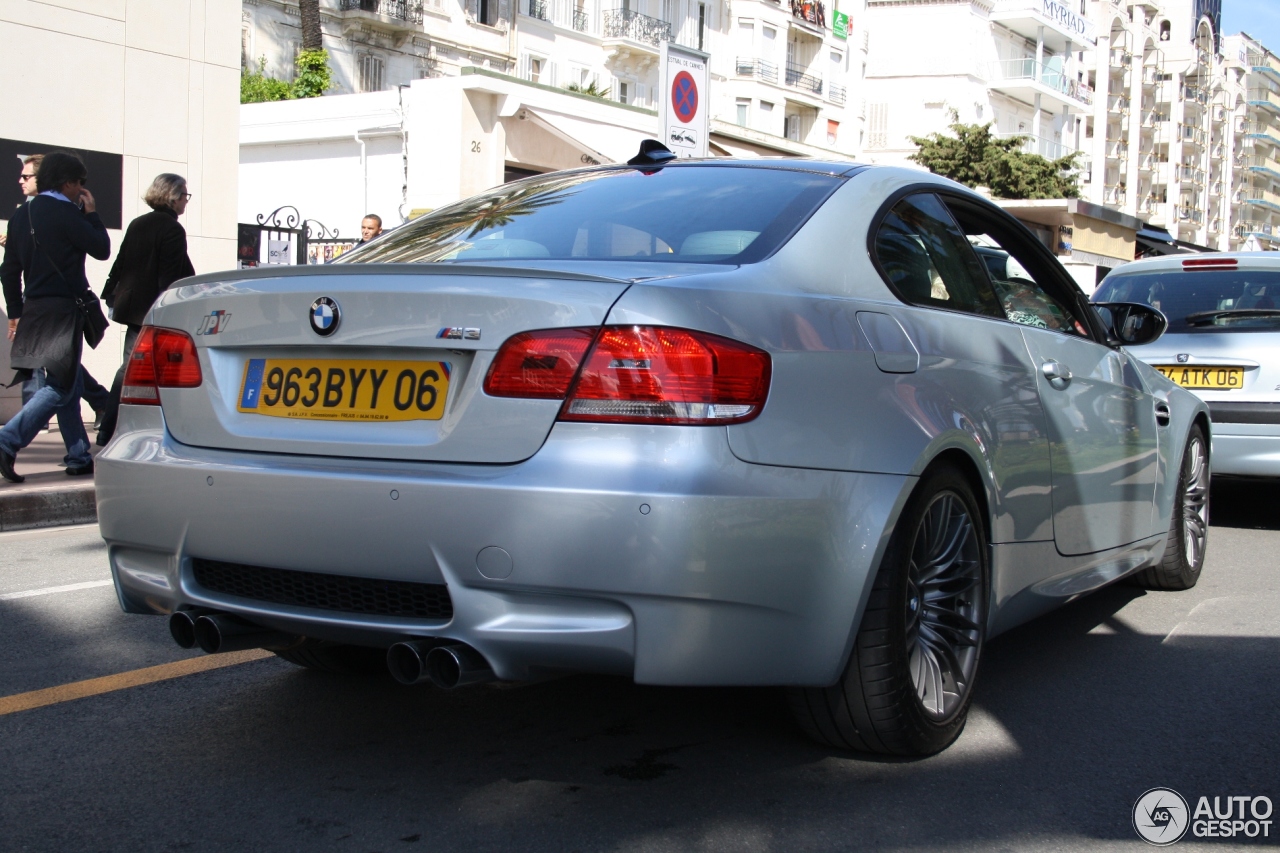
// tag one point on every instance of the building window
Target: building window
(535, 69)
(833, 129)
(371, 73)
(793, 128)
(744, 106)
(878, 132)
(702, 24)
(624, 92)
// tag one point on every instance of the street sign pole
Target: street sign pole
(685, 100)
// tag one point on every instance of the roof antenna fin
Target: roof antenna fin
(652, 153)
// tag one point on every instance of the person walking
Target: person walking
(152, 257)
(93, 393)
(45, 247)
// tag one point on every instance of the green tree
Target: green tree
(256, 87)
(975, 157)
(314, 78)
(314, 75)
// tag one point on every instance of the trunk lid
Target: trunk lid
(409, 314)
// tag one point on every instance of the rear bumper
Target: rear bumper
(651, 552)
(1246, 450)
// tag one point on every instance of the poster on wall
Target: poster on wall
(685, 100)
(106, 177)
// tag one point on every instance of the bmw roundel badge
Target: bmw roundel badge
(325, 315)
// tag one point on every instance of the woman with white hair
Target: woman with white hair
(152, 257)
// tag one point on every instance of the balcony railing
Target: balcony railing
(1251, 226)
(1259, 195)
(1030, 70)
(797, 77)
(1149, 204)
(1190, 214)
(1260, 161)
(581, 21)
(1195, 95)
(1120, 57)
(1190, 134)
(1191, 175)
(538, 9)
(1113, 195)
(623, 23)
(1265, 97)
(757, 68)
(836, 94)
(1117, 104)
(409, 11)
(1150, 75)
(1047, 148)
(1154, 117)
(810, 11)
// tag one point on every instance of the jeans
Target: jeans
(107, 424)
(44, 404)
(94, 393)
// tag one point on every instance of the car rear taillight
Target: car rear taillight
(538, 364)
(161, 358)
(655, 375)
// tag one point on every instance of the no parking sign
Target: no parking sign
(685, 101)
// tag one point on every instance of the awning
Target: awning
(605, 143)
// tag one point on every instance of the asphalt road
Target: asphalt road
(1076, 715)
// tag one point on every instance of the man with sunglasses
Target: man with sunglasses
(44, 283)
(97, 396)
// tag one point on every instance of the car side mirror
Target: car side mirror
(1131, 323)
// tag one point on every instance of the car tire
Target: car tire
(1184, 549)
(335, 657)
(918, 632)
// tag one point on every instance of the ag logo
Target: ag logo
(325, 316)
(1160, 816)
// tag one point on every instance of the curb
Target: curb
(48, 508)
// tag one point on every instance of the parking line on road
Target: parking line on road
(49, 590)
(123, 680)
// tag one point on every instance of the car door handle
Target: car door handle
(1162, 414)
(1059, 375)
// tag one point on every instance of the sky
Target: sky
(1258, 18)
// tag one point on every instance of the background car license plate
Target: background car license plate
(345, 389)
(1215, 378)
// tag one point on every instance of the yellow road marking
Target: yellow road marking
(123, 680)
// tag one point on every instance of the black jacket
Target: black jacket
(152, 256)
(55, 268)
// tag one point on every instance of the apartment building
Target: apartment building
(1012, 63)
(1165, 139)
(783, 72)
(1257, 194)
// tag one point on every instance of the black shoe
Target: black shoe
(6, 468)
(80, 470)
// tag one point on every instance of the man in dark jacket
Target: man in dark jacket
(46, 245)
(152, 257)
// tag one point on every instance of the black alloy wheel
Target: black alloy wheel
(909, 681)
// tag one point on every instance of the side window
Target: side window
(927, 261)
(1023, 284)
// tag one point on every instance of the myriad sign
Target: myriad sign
(1078, 26)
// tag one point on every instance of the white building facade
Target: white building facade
(784, 79)
(143, 87)
(1011, 63)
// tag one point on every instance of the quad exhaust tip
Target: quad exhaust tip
(445, 666)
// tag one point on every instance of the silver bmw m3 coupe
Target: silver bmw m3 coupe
(1223, 343)
(689, 422)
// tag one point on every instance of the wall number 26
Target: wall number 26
(475, 147)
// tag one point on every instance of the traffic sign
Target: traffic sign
(683, 89)
(684, 97)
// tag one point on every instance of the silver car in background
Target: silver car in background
(690, 422)
(1223, 344)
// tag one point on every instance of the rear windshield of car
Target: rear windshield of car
(683, 214)
(1202, 300)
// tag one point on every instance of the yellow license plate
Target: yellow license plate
(1211, 378)
(345, 389)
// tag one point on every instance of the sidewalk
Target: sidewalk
(49, 497)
